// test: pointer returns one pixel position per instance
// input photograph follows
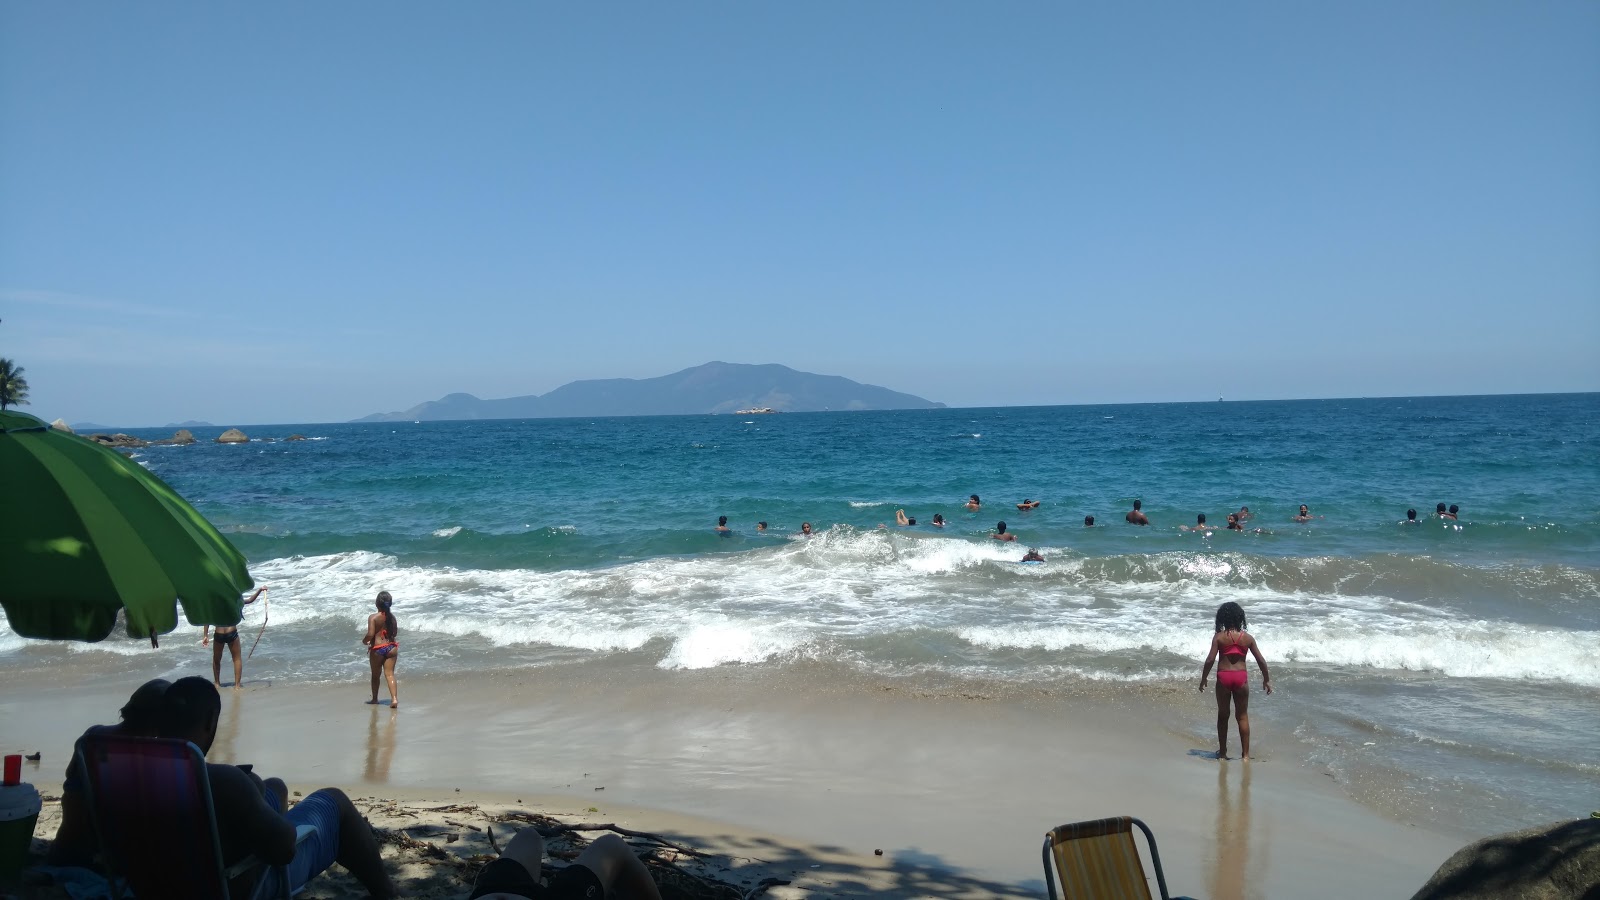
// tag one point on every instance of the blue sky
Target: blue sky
(297, 213)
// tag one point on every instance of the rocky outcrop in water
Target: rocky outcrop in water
(118, 440)
(233, 436)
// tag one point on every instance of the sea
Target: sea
(1447, 669)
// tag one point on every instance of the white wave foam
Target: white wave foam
(867, 504)
(447, 532)
(899, 598)
(712, 644)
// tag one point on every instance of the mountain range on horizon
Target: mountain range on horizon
(716, 387)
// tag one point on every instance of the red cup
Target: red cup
(13, 769)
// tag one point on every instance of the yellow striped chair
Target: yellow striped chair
(1098, 860)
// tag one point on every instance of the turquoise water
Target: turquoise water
(1448, 665)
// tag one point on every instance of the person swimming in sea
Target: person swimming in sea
(1088, 521)
(1411, 518)
(903, 520)
(1243, 513)
(1032, 556)
(1028, 504)
(1304, 515)
(722, 526)
(1136, 515)
(973, 503)
(761, 528)
(1199, 524)
(805, 529)
(1000, 533)
(1229, 645)
(1440, 511)
(1233, 522)
(938, 520)
(1455, 512)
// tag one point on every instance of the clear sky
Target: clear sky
(251, 213)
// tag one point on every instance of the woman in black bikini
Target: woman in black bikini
(382, 648)
(226, 636)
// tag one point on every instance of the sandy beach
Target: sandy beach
(776, 777)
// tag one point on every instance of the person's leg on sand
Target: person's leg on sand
(238, 664)
(1241, 711)
(377, 672)
(216, 661)
(1223, 697)
(607, 867)
(388, 673)
(342, 836)
(614, 863)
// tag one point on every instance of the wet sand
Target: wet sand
(956, 789)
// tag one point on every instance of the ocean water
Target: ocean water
(1446, 669)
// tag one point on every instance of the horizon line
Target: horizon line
(855, 411)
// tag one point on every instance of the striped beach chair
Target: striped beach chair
(150, 799)
(1098, 860)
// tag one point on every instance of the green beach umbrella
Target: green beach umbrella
(84, 531)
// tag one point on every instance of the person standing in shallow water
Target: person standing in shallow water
(383, 650)
(1231, 642)
(226, 636)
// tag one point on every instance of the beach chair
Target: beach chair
(1098, 860)
(150, 799)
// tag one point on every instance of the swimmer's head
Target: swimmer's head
(722, 520)
(1200, 519)
(974, 499)
(761, 526)
(1439, 508)
(1303, 509)
(938, 518)
(1454, 509)
(1000, 528)
(911, 520)
(1088, 521)
(1411, 515)
(805, 527)
(1138, 503)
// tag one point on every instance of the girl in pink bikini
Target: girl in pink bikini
(383, 650)
(1233, 681)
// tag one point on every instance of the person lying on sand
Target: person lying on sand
(605, 868)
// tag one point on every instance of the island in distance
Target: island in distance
(716, 387)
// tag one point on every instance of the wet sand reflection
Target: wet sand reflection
(380, 746)
(1233, 875)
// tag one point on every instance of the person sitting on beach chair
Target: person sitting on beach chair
(75, 843)
(605, 868)
(251, 816)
